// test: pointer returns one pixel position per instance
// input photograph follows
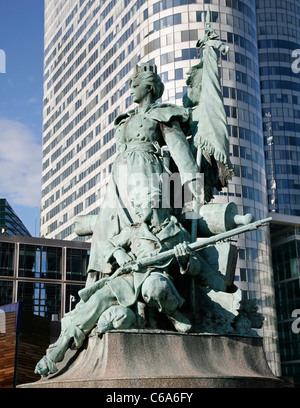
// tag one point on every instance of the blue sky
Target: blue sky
(21, 107)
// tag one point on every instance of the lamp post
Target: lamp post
(72, 300)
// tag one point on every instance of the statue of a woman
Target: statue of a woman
(140, 135)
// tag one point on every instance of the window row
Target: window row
(42, 299)
(246, 134)
(248, 154)
(280, 16)
(276, 43)
(276, 70)
(280, 98)
(242, 7)
(266, 56)
(281, 199)
(279, 4)
(285, 126)
(164, 22)
(283, 154)
(43, 262)
(241, 96)
(166, 4)
(241, 42)
(276, 29)
(248, 193)
(247, 275)
(244, 115)
(284, 184)
(249, 173)
(282, 112)
(280, 84)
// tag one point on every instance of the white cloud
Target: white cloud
(20, 164)
(32, 100)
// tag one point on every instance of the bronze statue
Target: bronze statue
(138, 219)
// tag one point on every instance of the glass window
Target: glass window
(243, 274)
(225, 92)
(164, 76)
(27, 265)
(179, 73)
(215, 17)
(77, 263)
(167, 21)
(229, 20)
(156, 7)
(40, 262)
(235, 150)
(42, 299)
(7, 258)
(6, 292)
(199, 16)
(177, 19)
(241, 253)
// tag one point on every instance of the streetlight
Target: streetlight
(72, 300)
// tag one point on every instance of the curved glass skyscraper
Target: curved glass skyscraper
(91, 48)
(279, 42)
(278, 32)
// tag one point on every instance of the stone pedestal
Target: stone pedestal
(154, 359)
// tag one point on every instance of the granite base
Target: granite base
(155, 359)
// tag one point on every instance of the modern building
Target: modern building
(278, 33)
(278, 44)
(285, 236)
(91, 48)
(45, 274)
(10, 223)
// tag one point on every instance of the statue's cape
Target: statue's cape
(162, 113)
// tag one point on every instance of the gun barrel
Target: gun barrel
(229, 234)
(87, 292)
(196, 246)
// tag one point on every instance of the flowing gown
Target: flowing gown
(138, 169)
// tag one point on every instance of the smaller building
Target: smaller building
(39, 283)
(285, 237)
(44, 274)
(10, 223)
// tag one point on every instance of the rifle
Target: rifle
(139, 264)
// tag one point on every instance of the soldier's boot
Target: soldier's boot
(180, 322)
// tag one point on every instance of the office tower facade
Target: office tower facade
(279, 42)
(91, 48)
(278, 32)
